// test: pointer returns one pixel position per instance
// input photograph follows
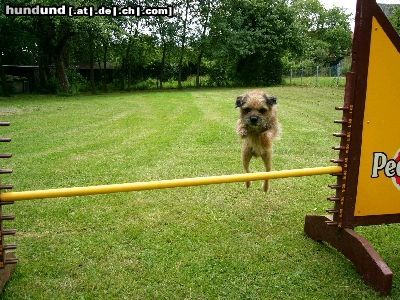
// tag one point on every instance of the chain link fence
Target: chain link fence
(317, 75)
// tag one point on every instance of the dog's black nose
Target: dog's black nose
(253, 119)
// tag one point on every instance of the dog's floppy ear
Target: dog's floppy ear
(271, 100)
(240, 100)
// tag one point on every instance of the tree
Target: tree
(164, 32)
(337, 33)
(395, 18)
(243, 42)
(17, 46)
(252, 37)
(204, 11)
(106, 42)
(53, 35)
(184, 36)
(326, 32)
(5, 37)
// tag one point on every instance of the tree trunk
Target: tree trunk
(198, 64)
(44, 62)
(164, 50)
(128, 63)
(105, 67)
(60, 70)
(45, 34)
(100, 68)
(183, 41)
(59, 56)
(201, 48)
(91, 63)
(4, 87)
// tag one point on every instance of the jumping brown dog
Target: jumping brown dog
(258, 127)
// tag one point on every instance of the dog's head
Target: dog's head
(257, 110)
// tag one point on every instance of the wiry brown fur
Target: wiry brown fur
(257, 136)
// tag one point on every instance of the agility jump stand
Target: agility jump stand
(368, 189)
(7, 258)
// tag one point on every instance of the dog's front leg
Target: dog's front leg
(267, 159)
(246, 157)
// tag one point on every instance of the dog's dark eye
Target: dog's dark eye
(246, 110)
(263, 110)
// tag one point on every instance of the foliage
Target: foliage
(326, 33)
(231, 42)
(249, 39)
(395, 18)
(77, 81)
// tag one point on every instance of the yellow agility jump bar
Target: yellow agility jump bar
(164, 184)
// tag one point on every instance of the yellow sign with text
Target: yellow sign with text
(378, 190)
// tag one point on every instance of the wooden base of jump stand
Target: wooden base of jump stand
(358, 250)
(6, 273)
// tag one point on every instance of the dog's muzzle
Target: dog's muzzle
(253, 120)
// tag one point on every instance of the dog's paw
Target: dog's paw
(241, 129)
(266, 186)
(247, 183)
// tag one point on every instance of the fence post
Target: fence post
(337, 73)
(301, 76)
(291, 75)
(316, 83)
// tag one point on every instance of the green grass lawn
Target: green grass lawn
(218, 241)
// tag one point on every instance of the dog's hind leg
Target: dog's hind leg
(267, 159)
(246, 157)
